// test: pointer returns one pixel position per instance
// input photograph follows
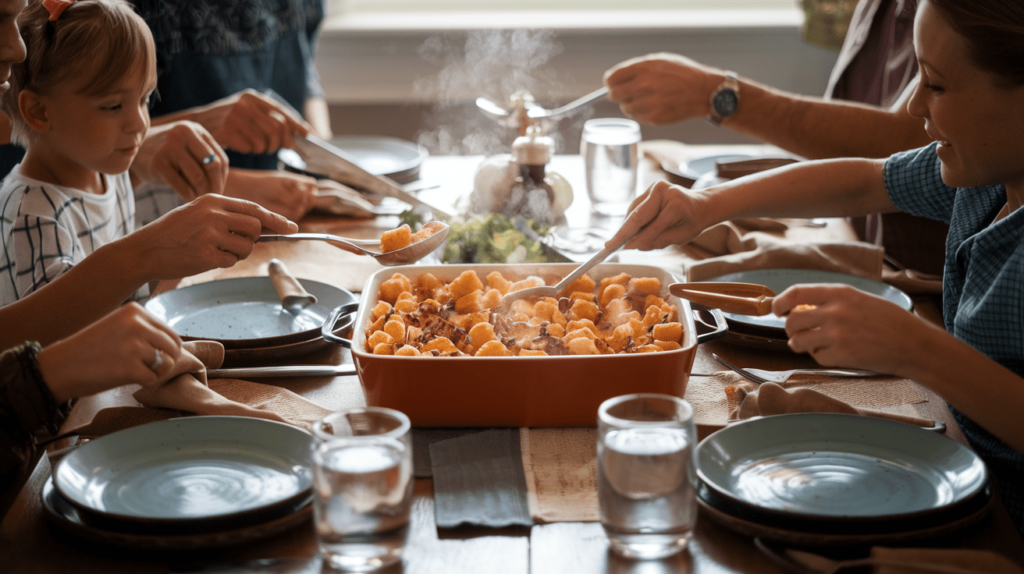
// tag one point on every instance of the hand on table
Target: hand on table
(663, 215)
(847, 327)
(119, 349)
(289, 194)
(183, 155)
(663, 88)
(251, 122)
(210, 232)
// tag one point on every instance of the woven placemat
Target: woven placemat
(561, 473)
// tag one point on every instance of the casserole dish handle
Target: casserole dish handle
(326, 331)
(709, 322)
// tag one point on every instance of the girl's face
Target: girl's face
(977, 120)
(103, 133)
(12, 49)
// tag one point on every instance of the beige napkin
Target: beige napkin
(771, 399)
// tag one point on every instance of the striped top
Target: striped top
(47, 228)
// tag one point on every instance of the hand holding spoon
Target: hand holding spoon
(403, 256)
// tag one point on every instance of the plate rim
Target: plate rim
(724, 492)
(217, 520)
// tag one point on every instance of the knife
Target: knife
(325, 158)
(286, 371)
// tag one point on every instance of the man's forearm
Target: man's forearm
(816, 129)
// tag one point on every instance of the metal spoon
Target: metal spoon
(556, 290)
(491, 107)
(403, 256)
(591, 97)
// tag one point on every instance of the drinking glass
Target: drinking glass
(646, 469)
(609, 150)
(362, 477)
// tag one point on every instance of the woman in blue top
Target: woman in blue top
(971, 98)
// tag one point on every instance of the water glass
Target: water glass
(646, 461)
(609, 150)
(362, 477)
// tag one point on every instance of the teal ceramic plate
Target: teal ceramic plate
(838, 467)
(246, 312)
(779, 280)
(191, 469)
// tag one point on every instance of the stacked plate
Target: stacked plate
(839, 480)
(184, 483)
(394, 158)
(245, 314)
(769, 331)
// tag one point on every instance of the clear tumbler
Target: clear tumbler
(609, 150)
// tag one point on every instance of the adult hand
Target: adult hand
(251, 122)
(119, 349)
(842, 326)
(289, 194)
(184, 156)
(664, 88)
(211, 231)
(663, 215)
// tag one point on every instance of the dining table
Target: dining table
(28, 543)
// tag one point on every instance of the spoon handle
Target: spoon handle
(592, 96)
(339, 242)
(594, 260)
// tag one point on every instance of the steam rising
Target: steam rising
(494, 64)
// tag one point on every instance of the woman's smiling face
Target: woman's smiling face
(977, 119)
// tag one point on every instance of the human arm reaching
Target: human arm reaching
(659, 89)
(288, 194)
(184, 156)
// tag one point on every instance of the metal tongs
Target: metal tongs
(322, 157)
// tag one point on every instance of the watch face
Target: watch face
(725, 102)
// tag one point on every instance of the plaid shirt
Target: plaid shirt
(45, 229)
(982, 287)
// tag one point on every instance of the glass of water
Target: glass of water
(609, 150)
(362, 477)
(646, 467)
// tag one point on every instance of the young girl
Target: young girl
(971, 96)
(79, 104)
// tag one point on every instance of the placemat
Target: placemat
(561, 473)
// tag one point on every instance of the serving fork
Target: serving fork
(759, 376)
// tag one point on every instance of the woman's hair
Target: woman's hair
(94, 42)
(994, 30)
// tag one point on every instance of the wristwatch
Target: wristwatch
(724, 99)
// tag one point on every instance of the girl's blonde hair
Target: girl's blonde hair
(97, 40)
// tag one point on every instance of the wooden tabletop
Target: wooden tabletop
(29, 544)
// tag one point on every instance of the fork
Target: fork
(759, 376)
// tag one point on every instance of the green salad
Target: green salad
(490, 238)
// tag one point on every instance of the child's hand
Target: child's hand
(251, 122)
(289, 194)
(183, 155)
(119, 349)
(210, 232)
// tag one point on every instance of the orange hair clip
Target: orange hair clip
(56, 7)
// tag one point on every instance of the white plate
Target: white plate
(695, 168)
(245, 310)
(395, 158)
(832, 466)
(193, 468)
(779, 280)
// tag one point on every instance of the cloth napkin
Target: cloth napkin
(479, 479)
(771, 399)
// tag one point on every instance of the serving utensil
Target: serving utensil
(403, 256)
(556, 289)
(738, 298)
(539, 112)
(759, 376)
(293, 296)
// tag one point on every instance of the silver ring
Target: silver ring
(158, 361)
(210, 159)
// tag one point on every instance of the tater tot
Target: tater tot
(407, 351)
(611, 293)
(668, 332)
(522, 306)
(584, 310)
(384, 349)
(428, 283)
(582, 346)
(531, 353)
(426, 231)
(491, 299)
(464, 284)
(531, 281)
(396, 239)
(378, 338)
(396, 328)
(469, 303)
(671, 313)
(405, 296)
(649, 349)
(618, 312)
(620, 337)
(440, 344)
(493, 349)
(406, 306)
(643, 286)
(556, 330)
(668, 345)
(584, 284)
(379, 310)
(377, 325)
(620, 279)
(412, 333)
(481, 333)
(638, 327)
(392, 288)
(545, 310)
(653, 300)
(520, 317)
(585, 296)
(583, 324)
(578, 333)
(654, 316)
(469, 320)
(496, 280)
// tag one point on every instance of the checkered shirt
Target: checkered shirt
(45, 229)
(982, 287)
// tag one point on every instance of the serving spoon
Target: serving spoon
(535, 111)
(408, 254)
